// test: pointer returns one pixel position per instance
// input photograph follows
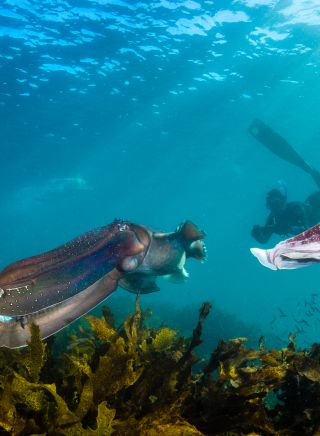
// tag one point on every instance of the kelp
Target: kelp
(135, 380)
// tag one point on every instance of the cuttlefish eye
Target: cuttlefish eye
(129, 264)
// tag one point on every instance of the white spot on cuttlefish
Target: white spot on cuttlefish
(17, 289)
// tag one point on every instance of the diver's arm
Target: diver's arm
(262, 234)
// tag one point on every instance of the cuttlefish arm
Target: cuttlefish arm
(36, 283)
(297, 252)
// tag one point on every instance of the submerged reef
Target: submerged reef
(138, 380)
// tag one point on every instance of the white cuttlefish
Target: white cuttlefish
(297, 252)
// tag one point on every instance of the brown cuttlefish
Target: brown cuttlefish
(57, 287)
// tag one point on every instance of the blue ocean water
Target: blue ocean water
(140, 110)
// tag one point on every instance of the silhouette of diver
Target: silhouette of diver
(285, 218)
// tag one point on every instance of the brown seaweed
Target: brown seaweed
(138, 380)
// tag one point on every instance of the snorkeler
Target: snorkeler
(287, 218)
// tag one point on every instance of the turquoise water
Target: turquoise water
(114, 109)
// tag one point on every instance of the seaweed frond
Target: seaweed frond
(164, 339)
(35, 357)
(137, 380)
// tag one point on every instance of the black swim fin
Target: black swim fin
(280, 146)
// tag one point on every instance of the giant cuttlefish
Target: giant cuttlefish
(57, 287)
(297, 252)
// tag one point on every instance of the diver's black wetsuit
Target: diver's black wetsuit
(289, 219)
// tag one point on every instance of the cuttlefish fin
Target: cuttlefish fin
(15, 334)
(139, 283)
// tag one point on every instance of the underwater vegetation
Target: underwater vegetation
(138, 380)
(220, 323)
